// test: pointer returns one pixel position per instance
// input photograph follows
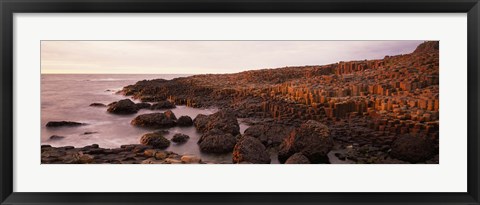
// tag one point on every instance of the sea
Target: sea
(66, 97)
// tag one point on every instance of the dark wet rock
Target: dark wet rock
(413, 148)
(98, 105)
(297, 158)
(155, 120)
(162, 105)
(200, 122)
(224, 120)
(155, 140)
(89, 133)
(250, 149)
(63, 124)
(312, 139)
(56, 137)
(125, 106)
(143, 105)
(184, 121)
(180, 138)
(269, 134)
(216, 141)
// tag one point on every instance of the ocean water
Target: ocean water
(68, 96)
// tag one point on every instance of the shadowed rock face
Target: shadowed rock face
(249, 149)
(125, 106)
(271, 135)
(155, 120)
(413, 148)
(216, 141)
(312, 139)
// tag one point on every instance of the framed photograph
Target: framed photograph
(239, 102)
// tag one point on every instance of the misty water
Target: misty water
(66, 97)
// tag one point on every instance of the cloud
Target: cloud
(194, 57)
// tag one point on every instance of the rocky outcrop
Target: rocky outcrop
(162, 105)
(155, 120)
(63, 124)
(413, 148)
(250, 149)
(297, 158)
(155, 140)
(180, 138)
(312, 139)
(216, 141)
(428, 47)
(184, 121)
(271, 135)
(125, 154)
(125, 106)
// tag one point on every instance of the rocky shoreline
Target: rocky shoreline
(373, 111)
(125, 154)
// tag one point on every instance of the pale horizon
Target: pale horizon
(205, 57)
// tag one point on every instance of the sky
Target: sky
(201, 57)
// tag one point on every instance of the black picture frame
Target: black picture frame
(10, 7)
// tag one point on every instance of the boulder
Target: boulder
(180, 138)
(250, 149)
(413, 148)
(271, 135)
(63, 124)
(312, 139)
(200, 122)
(184, 121)
(155, 140)
(162, 105)
(216, 141)
(155, 120)
(224, 120)
(297, 158)
(125, 106)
